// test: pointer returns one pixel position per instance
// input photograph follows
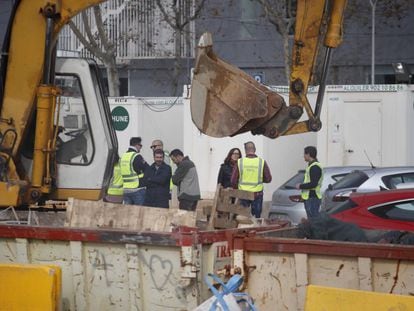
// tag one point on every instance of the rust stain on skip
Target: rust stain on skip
(396, 276)
(339, 269)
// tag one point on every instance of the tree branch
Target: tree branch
(165, 15)
(93, 47)
(87, 27)
(109, 47)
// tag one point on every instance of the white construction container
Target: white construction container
(358, 122)
(169, 119)
(367, 121)
(150, 118)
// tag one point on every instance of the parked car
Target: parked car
(383, 210)
(286, 201)
(368, 180)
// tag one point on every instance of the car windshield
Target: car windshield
(352, 180)
(297, 179)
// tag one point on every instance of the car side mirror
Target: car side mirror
(330, 187)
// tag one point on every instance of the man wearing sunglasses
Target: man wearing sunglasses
(157, 144)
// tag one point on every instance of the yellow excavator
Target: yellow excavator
(56, 135)
(225, 101)
(51, 148)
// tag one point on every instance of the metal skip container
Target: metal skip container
(113, 269)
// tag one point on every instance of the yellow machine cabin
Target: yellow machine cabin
(41, 157)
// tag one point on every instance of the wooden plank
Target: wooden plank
(235, 209)
(244, 220)
(69, 211)
(225, 223)
(92, 214)
(213, 210)
(207, 210)
(204, 208)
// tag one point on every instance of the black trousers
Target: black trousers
(187, 205)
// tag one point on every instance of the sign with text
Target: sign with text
(120, 118)
(222, 256)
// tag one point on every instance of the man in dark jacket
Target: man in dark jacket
(157, 177)
(186, 180)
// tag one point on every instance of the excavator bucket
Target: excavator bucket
(226, 101)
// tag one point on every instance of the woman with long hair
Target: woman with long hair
(226, 169)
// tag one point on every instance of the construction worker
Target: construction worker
(312, 181)
(133, 166)
(249, 175)
(186, 179)
(115, 193)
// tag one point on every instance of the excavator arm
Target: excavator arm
(225, 101)
(28, 60)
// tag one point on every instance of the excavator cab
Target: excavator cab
(225, 101)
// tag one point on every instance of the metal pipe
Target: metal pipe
(373, 6)
(322, 85)
(48, 51)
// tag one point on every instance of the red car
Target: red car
(384, 210)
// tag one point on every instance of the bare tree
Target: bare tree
(100, 47)
(178, 14)
(389, 13)
(158, 29)
(281, 14)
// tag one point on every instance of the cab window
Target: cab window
(74, 140)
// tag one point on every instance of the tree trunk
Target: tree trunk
(113, 77)
(287, 57)
(177, 62)
(176, 75)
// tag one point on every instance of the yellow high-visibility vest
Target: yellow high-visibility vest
(251, 174)
(129, 176)
(117, 183)
(305, 192)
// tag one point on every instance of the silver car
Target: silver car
(286, 201)
(368, 180)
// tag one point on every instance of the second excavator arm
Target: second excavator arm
(225, 101)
